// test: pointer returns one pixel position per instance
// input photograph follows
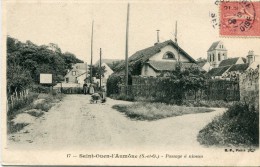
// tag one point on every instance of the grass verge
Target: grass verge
(155, 111)
(239, 126)
(45, 106)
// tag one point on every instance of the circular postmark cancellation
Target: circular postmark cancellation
(239, 18)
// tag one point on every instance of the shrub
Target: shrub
(113, 83)
(43, 106)
(238, 126)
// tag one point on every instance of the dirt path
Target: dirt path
(75, 123)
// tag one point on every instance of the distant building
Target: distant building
(110, 62)
(216, 53)
(231, 68)
(77, 74)
(107, 73)
(232, 61)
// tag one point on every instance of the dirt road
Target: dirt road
(75, 123)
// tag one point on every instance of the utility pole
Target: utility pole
(126, 51)
(91, 51)
(100, 68)
(176, 41)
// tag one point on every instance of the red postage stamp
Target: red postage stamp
(240, 18)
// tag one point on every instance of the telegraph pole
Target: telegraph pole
(176, 41)
(100, 68)
(126, 50)
(91, 51)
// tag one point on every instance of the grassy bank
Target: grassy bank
(34, 107)
(239, 126)
(154, 111)
(187, 103)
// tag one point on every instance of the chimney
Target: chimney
(157, 37)
(250, 57)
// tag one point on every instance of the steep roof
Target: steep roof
(244, 59)
(191, 65)
(162, 65)
(170, 65)
(214, 46)
(81, 66)
(78, 72)
(239, 67)
(143, 55)
(228, 62)
(218, 71)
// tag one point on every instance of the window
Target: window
(168, 55)
(213, 57)
(73, 73)
(67, 80)
(209, 57)
(219, 57)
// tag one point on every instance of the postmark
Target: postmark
(240, 18)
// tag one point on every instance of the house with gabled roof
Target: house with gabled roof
(77, 74)
(232, 61)
(110, 62)
(157, 59)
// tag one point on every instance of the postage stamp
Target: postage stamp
(240, 18)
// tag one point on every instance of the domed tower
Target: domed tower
(216, 53)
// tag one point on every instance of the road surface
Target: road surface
(75, 123)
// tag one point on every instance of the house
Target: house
(77, 74)
(218, 72)
(110, 62)
(107, 73)
(232, 61)
(158, 59)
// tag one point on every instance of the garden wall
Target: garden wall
(249, 87)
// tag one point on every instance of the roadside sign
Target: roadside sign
(46, 78)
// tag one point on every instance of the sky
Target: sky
(68, 24)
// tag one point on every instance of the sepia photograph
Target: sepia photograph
(130, 83)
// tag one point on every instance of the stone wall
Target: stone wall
(249, 88)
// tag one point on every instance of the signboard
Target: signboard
(46, 78)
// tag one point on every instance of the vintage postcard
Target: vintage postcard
(130, 83)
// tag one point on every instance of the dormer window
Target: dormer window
(169, 55)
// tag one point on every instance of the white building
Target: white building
(216, 53)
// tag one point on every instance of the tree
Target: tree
(184, 80)
(25, 62)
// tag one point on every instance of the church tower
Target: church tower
(216, 53)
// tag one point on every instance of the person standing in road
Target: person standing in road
(91, 89)
(85, 88)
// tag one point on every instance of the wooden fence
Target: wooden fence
(70, 90)
(162, 90)
(16, 98)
